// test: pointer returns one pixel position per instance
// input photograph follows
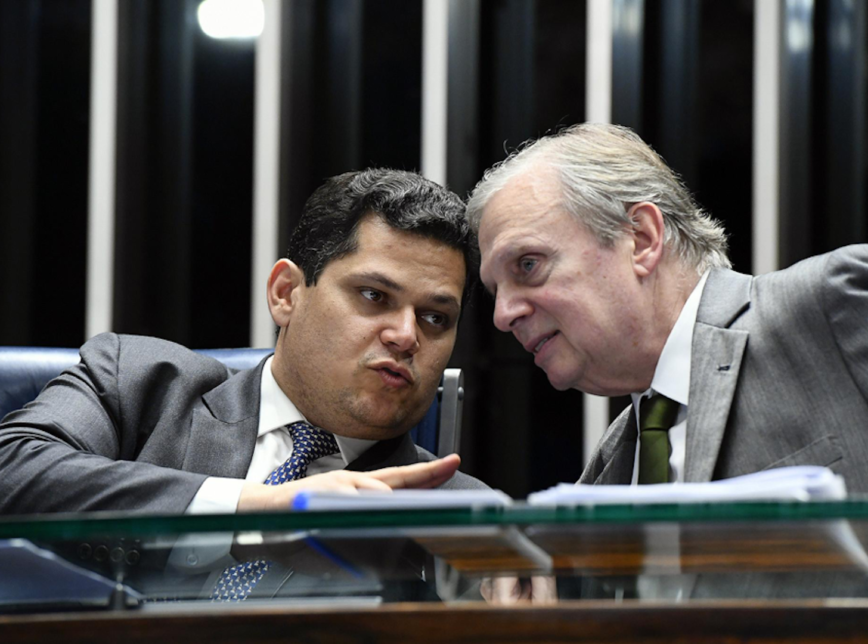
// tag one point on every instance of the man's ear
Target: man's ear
(648, 237)
(285, 289)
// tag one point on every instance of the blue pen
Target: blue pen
(322, 549)
(301, 504)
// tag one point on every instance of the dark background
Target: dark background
(353, 69)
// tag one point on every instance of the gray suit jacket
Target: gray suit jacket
(779, 376)
(138, 425)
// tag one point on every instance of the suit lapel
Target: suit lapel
(223, 431)
(714, 373)
(613, 462)
(717, 353)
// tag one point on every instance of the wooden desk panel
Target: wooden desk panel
(656, 548)
(625, 623)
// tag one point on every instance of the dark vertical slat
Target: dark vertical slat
(218, 244)
(155, 102)
(845, 172)
(723, 183)
(136, 23)
(462, 148)
(184, 199)
(560, 59)
(61, 172)
(391, 84)
(628, 20)
(462, 161)
(172, 124)
(559, 68)
(628, 87)
(504, 416)
(343, 77)
(514, 53)
(532, 66)
(18, 43)
(797, 50)
(678, 46)
(298, 116)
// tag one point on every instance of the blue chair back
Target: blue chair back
(24, 372)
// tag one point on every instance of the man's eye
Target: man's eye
(527, 264)
(436, 319)
(371, 294)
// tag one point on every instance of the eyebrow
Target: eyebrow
(373, 276)
(379, 278)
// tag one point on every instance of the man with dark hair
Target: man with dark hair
(367, 303)
(406, 201)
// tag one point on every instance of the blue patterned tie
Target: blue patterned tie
(308, 444)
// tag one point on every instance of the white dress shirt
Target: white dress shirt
(273, 447)
(672, 379)
(219, 495)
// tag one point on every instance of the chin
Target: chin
(376, 425)
(373, 431)
(559, 385)
(561, 382)
(401, 413)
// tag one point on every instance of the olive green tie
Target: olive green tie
(656, 416)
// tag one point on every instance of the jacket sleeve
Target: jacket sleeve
(72, 449)
(846, 306)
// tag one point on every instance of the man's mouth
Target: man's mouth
(394, 374)
(536, 347)
(392, 378)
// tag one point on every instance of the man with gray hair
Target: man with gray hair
(606, 270)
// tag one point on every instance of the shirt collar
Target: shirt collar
(672, 375)
(276, 411)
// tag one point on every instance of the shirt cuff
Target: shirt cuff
(203, 551)
(217, 496)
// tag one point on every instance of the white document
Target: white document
(801, 483)
(400, 500)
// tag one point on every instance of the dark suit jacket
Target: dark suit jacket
(779, 376)
(137, 426)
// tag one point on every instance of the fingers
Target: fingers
(505, 591)
(544, 589)
(420, 475)
(501, 591)
(364, 482)
(341, 481)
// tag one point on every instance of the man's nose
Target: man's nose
(401, 332)
(509, 309)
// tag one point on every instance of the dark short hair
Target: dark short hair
(327, 229)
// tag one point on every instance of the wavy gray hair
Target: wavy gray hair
(604, 170)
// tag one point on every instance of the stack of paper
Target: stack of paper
(803, 483)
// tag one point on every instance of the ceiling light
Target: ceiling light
(231, 18)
